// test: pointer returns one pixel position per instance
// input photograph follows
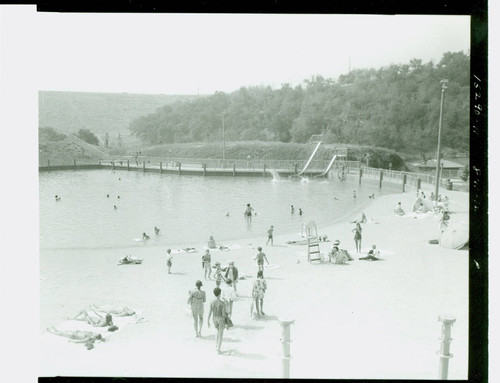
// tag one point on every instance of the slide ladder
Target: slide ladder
(310, 159)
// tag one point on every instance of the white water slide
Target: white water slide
(310, 158)
(328, 167)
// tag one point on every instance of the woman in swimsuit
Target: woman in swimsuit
(87, 337)
(197, 299)
(357, 237)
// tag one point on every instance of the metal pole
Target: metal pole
(223, 142)
(444, 352)
(285, 346)
(438, 163)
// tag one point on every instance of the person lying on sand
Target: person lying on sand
(119, 312)
(100, 321)
(373, 255)
(87, 337)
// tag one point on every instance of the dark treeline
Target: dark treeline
(395, 107)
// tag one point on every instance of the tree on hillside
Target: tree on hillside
(49, 134)
(87, 136)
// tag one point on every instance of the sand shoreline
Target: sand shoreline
(343, 313)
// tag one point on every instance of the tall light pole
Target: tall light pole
(223, 140)
(438, 162)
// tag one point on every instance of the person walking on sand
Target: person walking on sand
(260, 259)
(232, 273)
(218, 311)
(228, 295)
(169, 260)
(205, 263)
(197, 299)
(357, 237)
(270, 235)
(292, 209)
(258, 292)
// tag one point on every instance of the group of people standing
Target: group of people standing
(225, 294)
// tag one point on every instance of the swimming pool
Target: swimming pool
(185, 208)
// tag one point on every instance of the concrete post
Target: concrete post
(234, 170)
(128, 164)
(285, 346)
(144, 165)
(113, 164)
(444, 352)
(74, 163)
(48, 164)
(360, 174)
(295, 168)
(419, 183)
(204, 169)
(264, 171)
(380, 179)
(99, 162)
(404, 182)
(161, 169)
(179, 164)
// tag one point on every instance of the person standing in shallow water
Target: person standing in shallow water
(197, 299)
(248, 212)
(169, 260)
(218, 310)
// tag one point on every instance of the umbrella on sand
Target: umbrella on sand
(455, 236)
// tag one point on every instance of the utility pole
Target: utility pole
(438, 162)
(223, 141)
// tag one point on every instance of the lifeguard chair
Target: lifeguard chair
(313, 253)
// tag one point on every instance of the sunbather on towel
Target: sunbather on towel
(119, 312)
(100, 321)
(77, 336)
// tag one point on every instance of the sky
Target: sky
(205, 53)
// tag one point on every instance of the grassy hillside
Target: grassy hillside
(68, 112)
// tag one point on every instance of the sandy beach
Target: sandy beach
(363, 320)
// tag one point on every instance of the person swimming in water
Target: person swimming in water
(157, 230)
(145, 236)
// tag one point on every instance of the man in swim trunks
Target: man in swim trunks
(260, 259)
(248, 211)
(270, 235)
(169, 260)
(218, 310)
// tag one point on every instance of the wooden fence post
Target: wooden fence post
(161, 170)
(128, 164)
(419, 183)
(404, 182)
(179, 164)
(144, 166)
(48, 164)
(360, 174)
(74, 163)
(234, 170)
(380, 179)
(113, 164)
(264, 172)
(204, 169)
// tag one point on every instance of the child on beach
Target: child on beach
(232, 273)
(205, 263)
(292, 209)
(270, 235)
(399, 210)
(218, 310)
(157, 230)
(373, 255)
(211, 242)
(218, 274)
(260, 259)
(169, 260)
(228, 295)
(258, 292)
(357, 237)
(196, 299)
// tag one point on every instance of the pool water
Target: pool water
(185, 208)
